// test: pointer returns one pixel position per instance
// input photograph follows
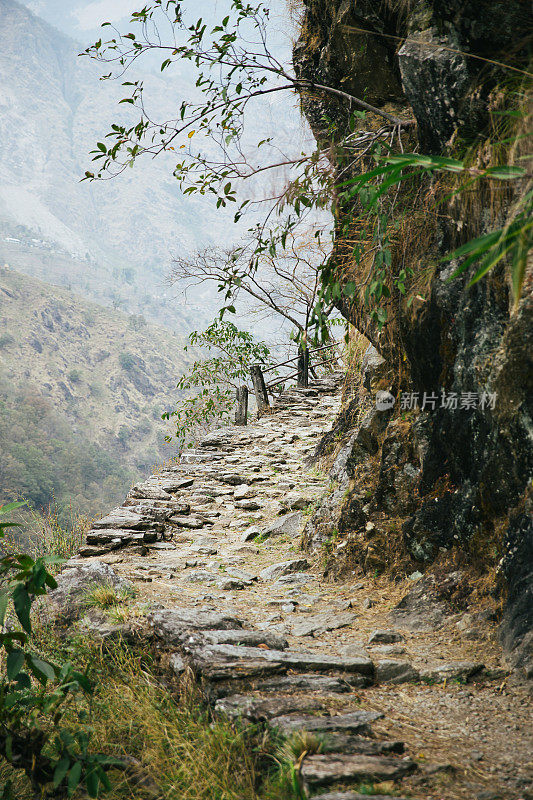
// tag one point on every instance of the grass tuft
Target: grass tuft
(104, 596)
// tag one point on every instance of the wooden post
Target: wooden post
(303, 367)
(241, 413)
(261, 395)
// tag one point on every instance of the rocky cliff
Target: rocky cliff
(447, 485)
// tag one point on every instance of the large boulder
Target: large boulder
(68, 602)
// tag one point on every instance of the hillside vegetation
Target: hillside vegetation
(82, 389)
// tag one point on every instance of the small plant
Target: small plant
(53, 531)
(120, 614)
(128, 361)
(74, 375)
(302, 742)
(212, 381)
(137, 322)
(105, 596)
(310, 509)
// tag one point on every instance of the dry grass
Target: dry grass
(105, 597)
(176, 749)
(355, 350)
(46, 533)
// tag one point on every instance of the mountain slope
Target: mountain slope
(86, 376)
(53, 110)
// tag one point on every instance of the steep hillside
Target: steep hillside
(95, 380)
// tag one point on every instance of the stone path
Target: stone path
(211, 545)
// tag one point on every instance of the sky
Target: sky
(81, 19)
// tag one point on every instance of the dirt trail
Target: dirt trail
(212, 548)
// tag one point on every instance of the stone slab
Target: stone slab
(353, 722)
(321, 770)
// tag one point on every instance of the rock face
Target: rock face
(517, 565)
(454, 476)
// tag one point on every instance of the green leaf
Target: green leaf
(104, 780)
(427, 162)
(7, 508)
(83, 681)
(74, 778)
(15, 660)
(505, 173)
(349, 289)
(91, 782)
(22, 604)
(23, 681)
(485, 241)
(490, 261)
(4, 601)
(61, 771)
(42, 670)
(51, 581)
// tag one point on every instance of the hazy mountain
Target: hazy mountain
(53, 109)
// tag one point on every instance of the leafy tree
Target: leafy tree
(127, 361)
(235, 67)
(212, 381)
(5, 340)
(74, 375)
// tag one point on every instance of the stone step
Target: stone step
(242, 669)
(323, 684)
(147, 491)
(196, 639)
(222, 658)
(173, 624)
(260, 709)
(352, 796)
(97, 550)
(323, 770)
(352, 722)
(349, 743)
(124, 518)
(120, 537)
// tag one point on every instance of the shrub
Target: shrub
(137, 322)
(36, 693)
(102, 596)
(127, 361)
(74, 375)
(211, 382)
(5, 340)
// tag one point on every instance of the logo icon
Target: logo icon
(384, 401)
